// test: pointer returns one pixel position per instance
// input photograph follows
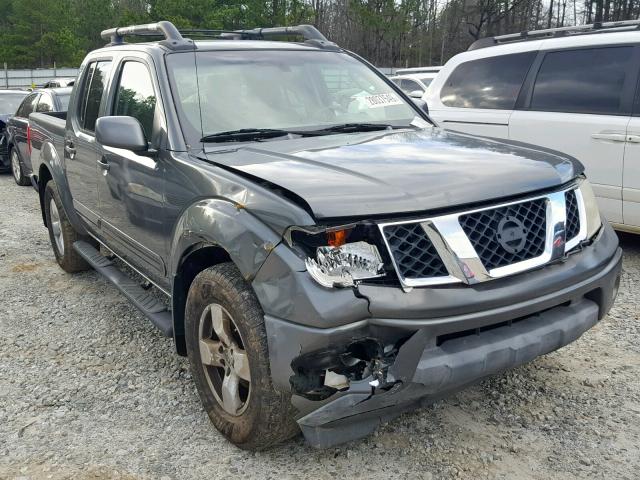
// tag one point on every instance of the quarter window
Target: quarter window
(492, 83)
(135, 96)
(582, 81)
(96, 79)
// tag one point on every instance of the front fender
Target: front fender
(230, 226)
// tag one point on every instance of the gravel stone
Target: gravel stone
(89, 389)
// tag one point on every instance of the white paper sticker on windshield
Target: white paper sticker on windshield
(381, 100)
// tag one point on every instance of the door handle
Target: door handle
(610, 136)
(633, 138)
(104, 165)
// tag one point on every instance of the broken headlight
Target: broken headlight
(592, 213)
(339, 256)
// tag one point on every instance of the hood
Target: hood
(391, 172)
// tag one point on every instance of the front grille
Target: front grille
(573, 215)
(482, 229)
(415, 255)
(510, 235)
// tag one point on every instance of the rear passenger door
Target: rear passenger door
(579, 102)
(479, 95)
(80, 150)
(631, 174)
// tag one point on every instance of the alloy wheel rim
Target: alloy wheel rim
(225, 360)
(55, 226)
(15, 165)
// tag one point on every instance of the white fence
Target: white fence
(25, 78)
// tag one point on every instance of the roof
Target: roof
(55, 90)
(596, 28)
(14, 91)
(221, 45)
(405, 71)
(415, 76)
(575, 41)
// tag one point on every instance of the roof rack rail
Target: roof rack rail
(174, 40)
(172, 37)
(591, 28)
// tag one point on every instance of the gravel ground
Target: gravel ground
(89, 390)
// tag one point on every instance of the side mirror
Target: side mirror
(416, 93)
(121, 132)
(421, 104)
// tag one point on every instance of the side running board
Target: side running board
(153, 309)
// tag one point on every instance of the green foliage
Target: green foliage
(37, 33)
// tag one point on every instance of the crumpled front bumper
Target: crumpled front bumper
(442, 370)
(450, 337)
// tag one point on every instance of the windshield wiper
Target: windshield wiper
(249, 134)
(244, 135)
(348, 128)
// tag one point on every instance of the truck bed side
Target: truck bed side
(46, 135)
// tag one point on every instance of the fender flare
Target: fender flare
(221, 224)
(227, 225)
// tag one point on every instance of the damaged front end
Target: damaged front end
(320, 374)
(353, 356)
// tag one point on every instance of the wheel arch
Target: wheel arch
(200, 257)
(210, 232)
(44, 176)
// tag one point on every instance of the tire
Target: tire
(263, 416)
(61, 233)
(17, 170)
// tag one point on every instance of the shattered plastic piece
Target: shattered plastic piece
(335, 380)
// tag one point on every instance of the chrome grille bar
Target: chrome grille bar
(461, 258)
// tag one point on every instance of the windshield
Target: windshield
(279, 89)
(9, 102)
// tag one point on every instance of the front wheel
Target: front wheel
(61, 233)
(227, 349)
(16, 168)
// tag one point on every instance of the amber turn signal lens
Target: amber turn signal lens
(337, 238)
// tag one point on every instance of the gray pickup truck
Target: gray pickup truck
(330, 258)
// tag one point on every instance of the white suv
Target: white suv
(572, 89)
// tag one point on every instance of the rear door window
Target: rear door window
(135, 96)
(492, 83)
(583, 81)
(96, 79)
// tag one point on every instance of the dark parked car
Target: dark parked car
(9, 102)
(330, 258)
(18, 133)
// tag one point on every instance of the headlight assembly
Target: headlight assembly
(592, 213)
(338, 256)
